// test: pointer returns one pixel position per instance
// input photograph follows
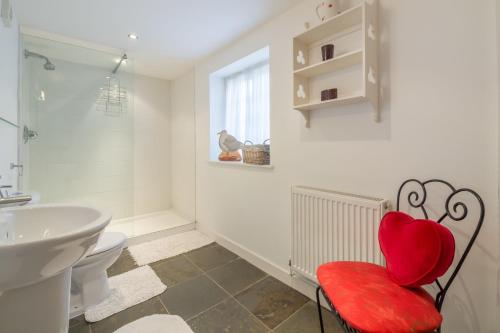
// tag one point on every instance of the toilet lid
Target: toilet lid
(107, 241)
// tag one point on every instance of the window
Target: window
(247, 104)
(240, 100)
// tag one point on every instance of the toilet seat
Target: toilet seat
(108, 241)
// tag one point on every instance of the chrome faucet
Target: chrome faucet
(2, 195)
(12, 200)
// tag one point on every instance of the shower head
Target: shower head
(49, 66)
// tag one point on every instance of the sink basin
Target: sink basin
(38, 242)
(38, 246)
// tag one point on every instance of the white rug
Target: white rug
(167, 247)
(127, 289)
(156, 324)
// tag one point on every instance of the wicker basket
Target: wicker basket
(257, 154)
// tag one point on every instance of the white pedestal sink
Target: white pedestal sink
(38, 246)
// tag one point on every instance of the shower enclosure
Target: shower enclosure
(78, 134)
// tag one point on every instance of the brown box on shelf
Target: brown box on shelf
(328, 94)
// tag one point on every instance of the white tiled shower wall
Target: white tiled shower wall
(120, 163)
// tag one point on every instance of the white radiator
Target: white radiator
(330, 226)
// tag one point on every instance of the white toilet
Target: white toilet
(89, 280)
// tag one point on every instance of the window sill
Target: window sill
(241, 165)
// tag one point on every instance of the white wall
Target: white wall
(9, 46)
(183, 146)
(439, 119)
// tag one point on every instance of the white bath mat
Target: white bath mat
(127, 289)
(156, 324)
(167, 247)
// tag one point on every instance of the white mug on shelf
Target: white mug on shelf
(327, 9)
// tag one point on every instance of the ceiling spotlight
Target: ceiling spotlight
(133, 36)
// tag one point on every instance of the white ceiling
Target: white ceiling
(173, 34)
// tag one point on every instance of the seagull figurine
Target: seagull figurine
(228, 143)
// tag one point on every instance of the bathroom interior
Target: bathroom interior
(192, 166)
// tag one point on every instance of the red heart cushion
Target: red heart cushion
(412, 248)
(447, 255)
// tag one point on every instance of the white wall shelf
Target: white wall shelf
(312, 75)
(333, 102)
(337, 63)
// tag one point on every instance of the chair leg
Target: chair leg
(319, 310)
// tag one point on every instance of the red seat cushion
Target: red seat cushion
(412, 248)
(370, 301)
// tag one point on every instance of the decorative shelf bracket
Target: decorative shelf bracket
(376, 111)
(301, 92)
(371, 32)
(300, 58)
(307, 118)
(371, 76)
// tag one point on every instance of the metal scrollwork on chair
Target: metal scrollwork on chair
(455, 210)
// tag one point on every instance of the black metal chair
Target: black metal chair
(455, 209)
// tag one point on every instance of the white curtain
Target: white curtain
(247, 104)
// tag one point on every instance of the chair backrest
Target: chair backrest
(455, 210)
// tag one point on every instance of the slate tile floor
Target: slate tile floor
(216, 291)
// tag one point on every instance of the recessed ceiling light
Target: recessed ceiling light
(133, 36)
